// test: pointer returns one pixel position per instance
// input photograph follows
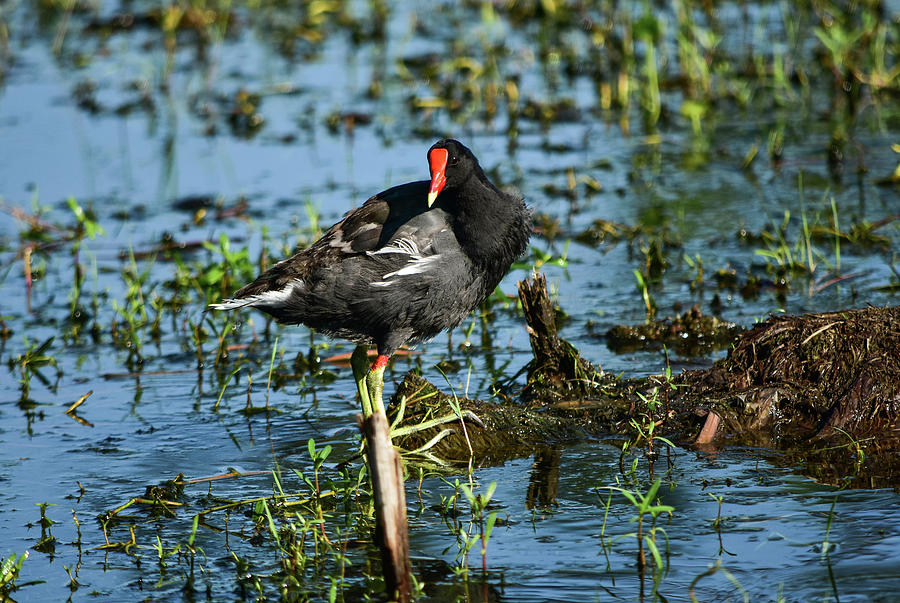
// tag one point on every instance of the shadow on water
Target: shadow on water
(738, 158)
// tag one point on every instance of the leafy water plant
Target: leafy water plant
(856, 447)
(47, 542)
(648, 508)
(717, 522)
(644, 289)
(87, 225)
(221, 279)
(138, 290)
(695, 263)
(540, 258)
(645, 430)
(29, 364)
(9, 572)
(162, 554)
(478, 504)
(309, 531)
(479, 527)
(651, 415)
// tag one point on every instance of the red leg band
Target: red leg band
(380, 363)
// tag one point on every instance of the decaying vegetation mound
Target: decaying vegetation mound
(818, 390)
(795, 377)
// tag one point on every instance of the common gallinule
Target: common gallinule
(412, 261)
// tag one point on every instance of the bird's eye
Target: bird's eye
(453, 160)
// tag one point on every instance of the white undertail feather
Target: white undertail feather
(270, 299)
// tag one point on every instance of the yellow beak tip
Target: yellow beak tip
(431, 197)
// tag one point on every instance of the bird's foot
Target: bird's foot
(409, 429)
(406, 430)
(370, 384)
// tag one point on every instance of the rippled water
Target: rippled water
(148, 427)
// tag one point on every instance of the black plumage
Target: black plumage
(412, 261)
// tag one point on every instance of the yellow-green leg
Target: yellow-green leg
(375, 383)
(369, 381)
(359, 362)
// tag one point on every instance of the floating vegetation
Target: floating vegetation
(690, 333)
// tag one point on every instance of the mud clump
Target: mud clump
(690, 333)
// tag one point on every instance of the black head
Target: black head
(451, 164)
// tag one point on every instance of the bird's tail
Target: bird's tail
(263, 298)
(233, 303)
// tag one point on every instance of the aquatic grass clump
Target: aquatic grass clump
(691, 58)
(791, 250)
(675, 66)
(478, 527)
(802, 252)
(650, 538)
(315, 532)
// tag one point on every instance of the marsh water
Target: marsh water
(261, 123)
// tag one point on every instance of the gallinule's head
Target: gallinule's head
(451, 164)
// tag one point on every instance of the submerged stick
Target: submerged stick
(391, 531)
(710, 428)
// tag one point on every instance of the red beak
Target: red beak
(437, 161)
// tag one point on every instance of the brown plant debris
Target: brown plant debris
(690, 333)
(821, 391)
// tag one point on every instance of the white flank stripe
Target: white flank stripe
(407, 246)
(417, 263)
(414, 266)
